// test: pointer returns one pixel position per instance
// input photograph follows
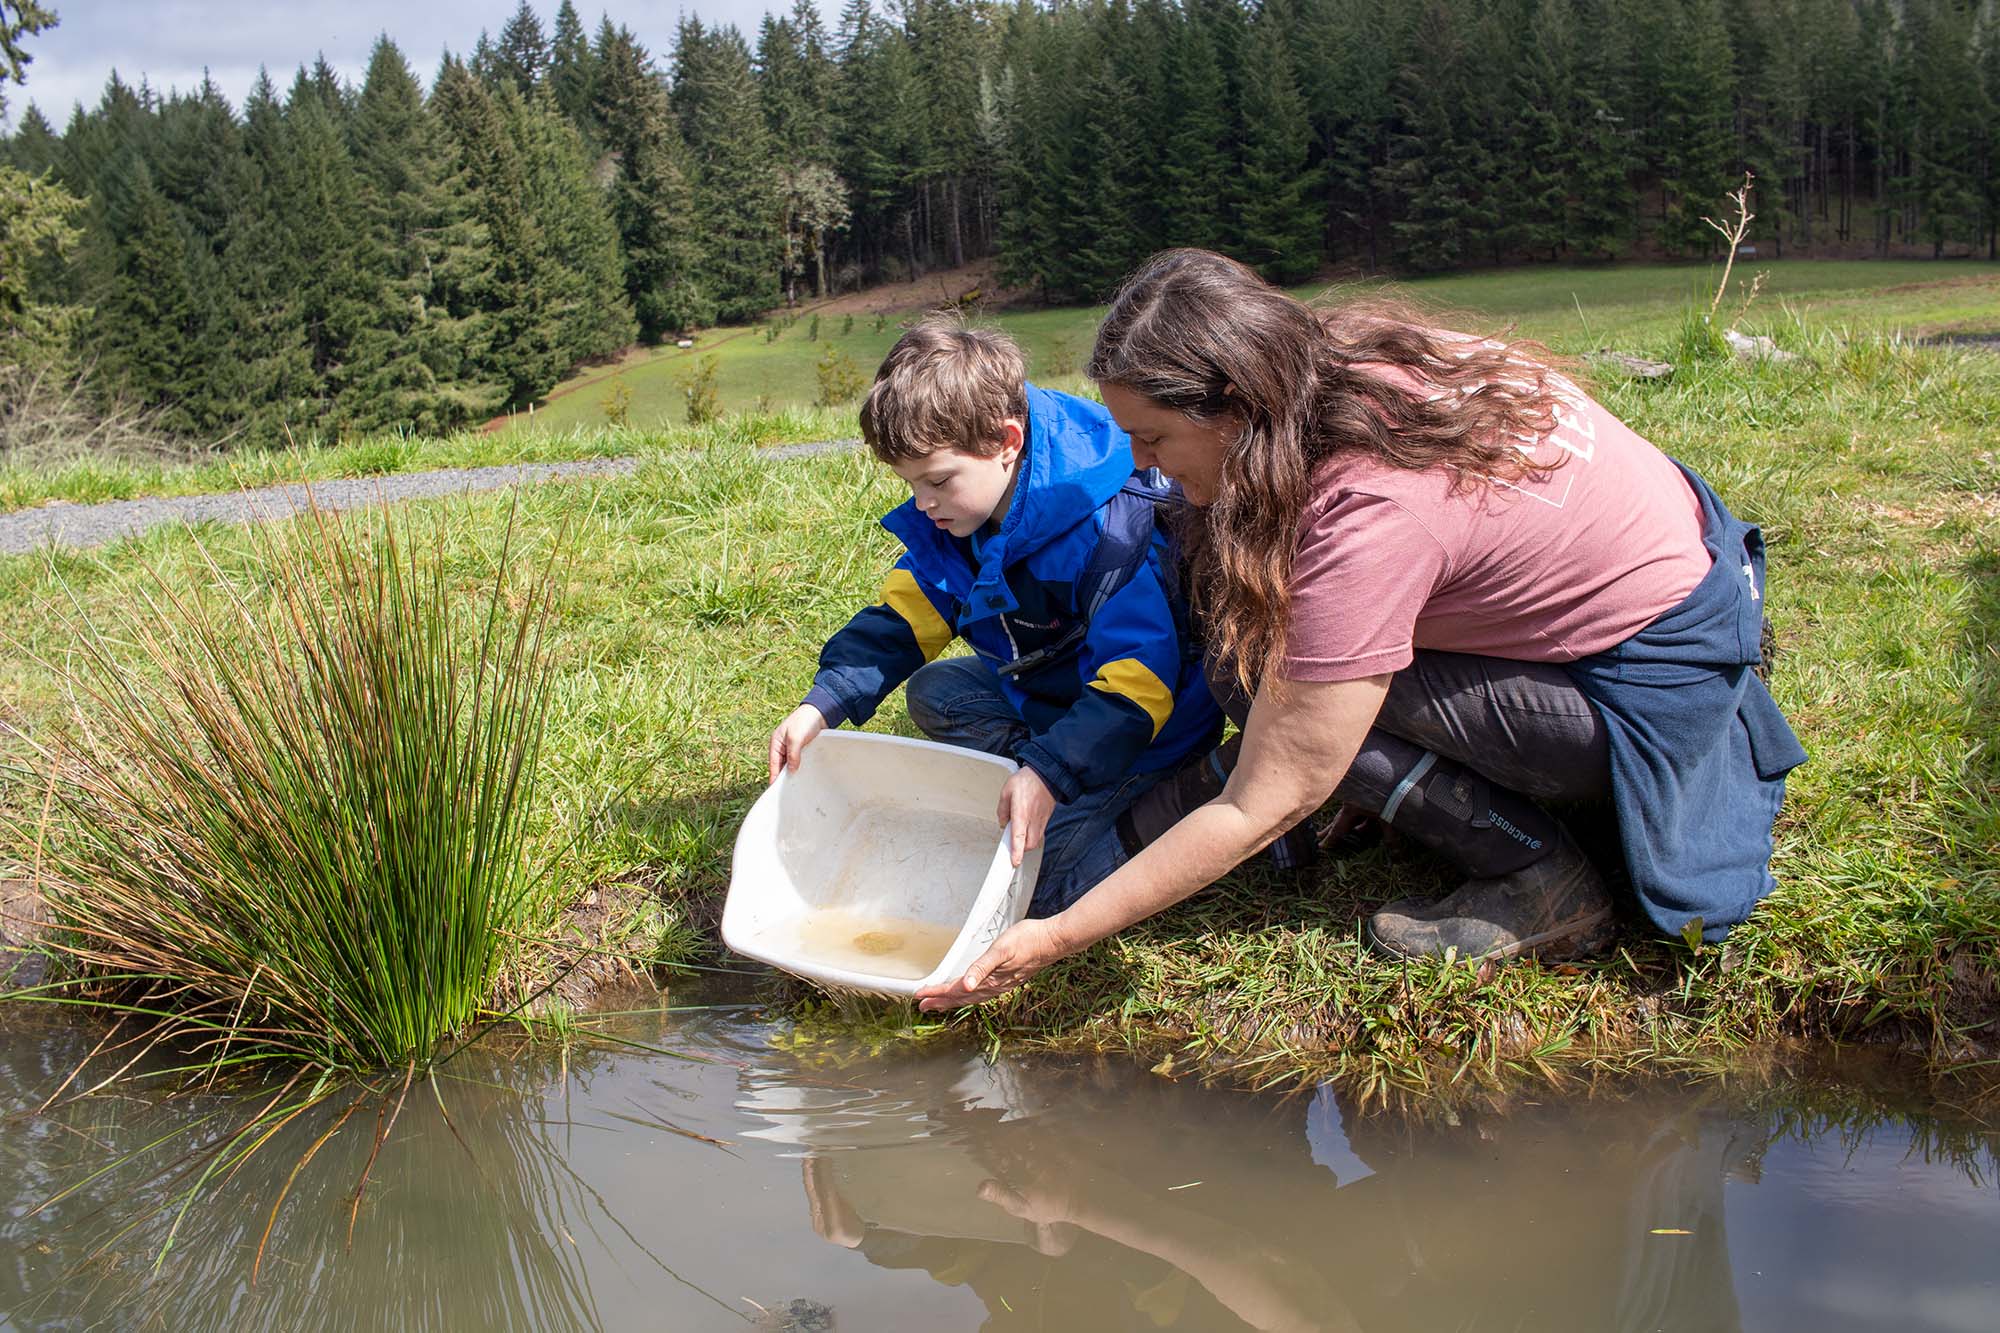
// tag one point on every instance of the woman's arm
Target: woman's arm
(1296, 748)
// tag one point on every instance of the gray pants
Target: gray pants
(1461, 746)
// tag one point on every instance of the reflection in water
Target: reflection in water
(1046, 1191)
(622, 1189)
(448, 1235)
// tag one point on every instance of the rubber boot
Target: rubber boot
(1554, 909)
(1529, 888)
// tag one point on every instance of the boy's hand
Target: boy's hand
(789, 741)
(1025, 806)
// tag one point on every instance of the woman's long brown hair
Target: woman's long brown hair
(1202, 334)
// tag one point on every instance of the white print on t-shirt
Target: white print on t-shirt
(1573, 432)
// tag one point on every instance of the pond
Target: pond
(748, 1180)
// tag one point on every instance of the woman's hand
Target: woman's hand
(792, 736)
(1025, 806)
(1023, 949)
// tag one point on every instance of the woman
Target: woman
(1449, 585)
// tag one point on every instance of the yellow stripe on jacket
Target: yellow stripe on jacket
(1129, 678)
(901, 594)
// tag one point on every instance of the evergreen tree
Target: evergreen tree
(1696, 97)
(1881, 114)
(522, 54)
(795, 88)
(1432, 174)
(1602, 145)
(145, 319)
(1770, 108)
(1834, 105)
(1943, 96)
(572, 74)
(1022, 133)
(1543, 162)
(419, 366)
(321, 83)
(1347, 64)
(1988, 169)
(35, 148)
(793, 122)
(199, 163)
(263, 266)
(579, 265)
(943, 45)
(812, 139)
(19, 20)
(1141, 56)
(1099, 231)
(872, 97)
(103, 141)
(484, 62)
(1278, 221)
(38, 234)
(652, 200)
(715, 98)
(339, 290)
(525, 352)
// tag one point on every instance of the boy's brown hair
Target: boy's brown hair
(944, 385)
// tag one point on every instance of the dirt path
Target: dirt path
(81, 526)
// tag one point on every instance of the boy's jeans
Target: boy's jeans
(959, 702)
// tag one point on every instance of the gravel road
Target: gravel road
(80, 526)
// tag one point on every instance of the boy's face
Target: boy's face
(960, 491)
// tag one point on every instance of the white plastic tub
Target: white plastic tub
(878, 866)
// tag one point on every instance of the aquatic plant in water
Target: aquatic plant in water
(294, 831)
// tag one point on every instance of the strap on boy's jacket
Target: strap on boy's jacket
(1132, 668)
(1131, 529)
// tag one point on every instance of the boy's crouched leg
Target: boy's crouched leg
(959, 702)
(1081, 847)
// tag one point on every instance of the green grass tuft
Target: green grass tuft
(289, 815)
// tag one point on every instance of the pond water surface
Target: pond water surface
(750, 1182)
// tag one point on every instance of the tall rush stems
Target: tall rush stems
(297, 828)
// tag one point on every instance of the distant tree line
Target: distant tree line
(329, 259)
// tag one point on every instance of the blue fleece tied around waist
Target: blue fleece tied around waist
(1699, 750)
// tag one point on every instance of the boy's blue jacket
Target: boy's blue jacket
(1130, 700)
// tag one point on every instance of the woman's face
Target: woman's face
(1190, 452)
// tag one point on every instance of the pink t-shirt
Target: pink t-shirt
(1545, 570)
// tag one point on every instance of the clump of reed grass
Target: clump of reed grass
(290, 825)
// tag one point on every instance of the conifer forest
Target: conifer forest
(417, 253)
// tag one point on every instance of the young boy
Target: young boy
(1028, 535)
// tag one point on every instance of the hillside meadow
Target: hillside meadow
(1574, 310)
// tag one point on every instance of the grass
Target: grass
(285, 816)
(763, 386)
(702, 586)
(1574, 309)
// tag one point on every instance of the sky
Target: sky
(170, 42)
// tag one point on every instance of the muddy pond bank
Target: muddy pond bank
(746, 1173)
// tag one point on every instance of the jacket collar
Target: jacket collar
(1076, 460)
